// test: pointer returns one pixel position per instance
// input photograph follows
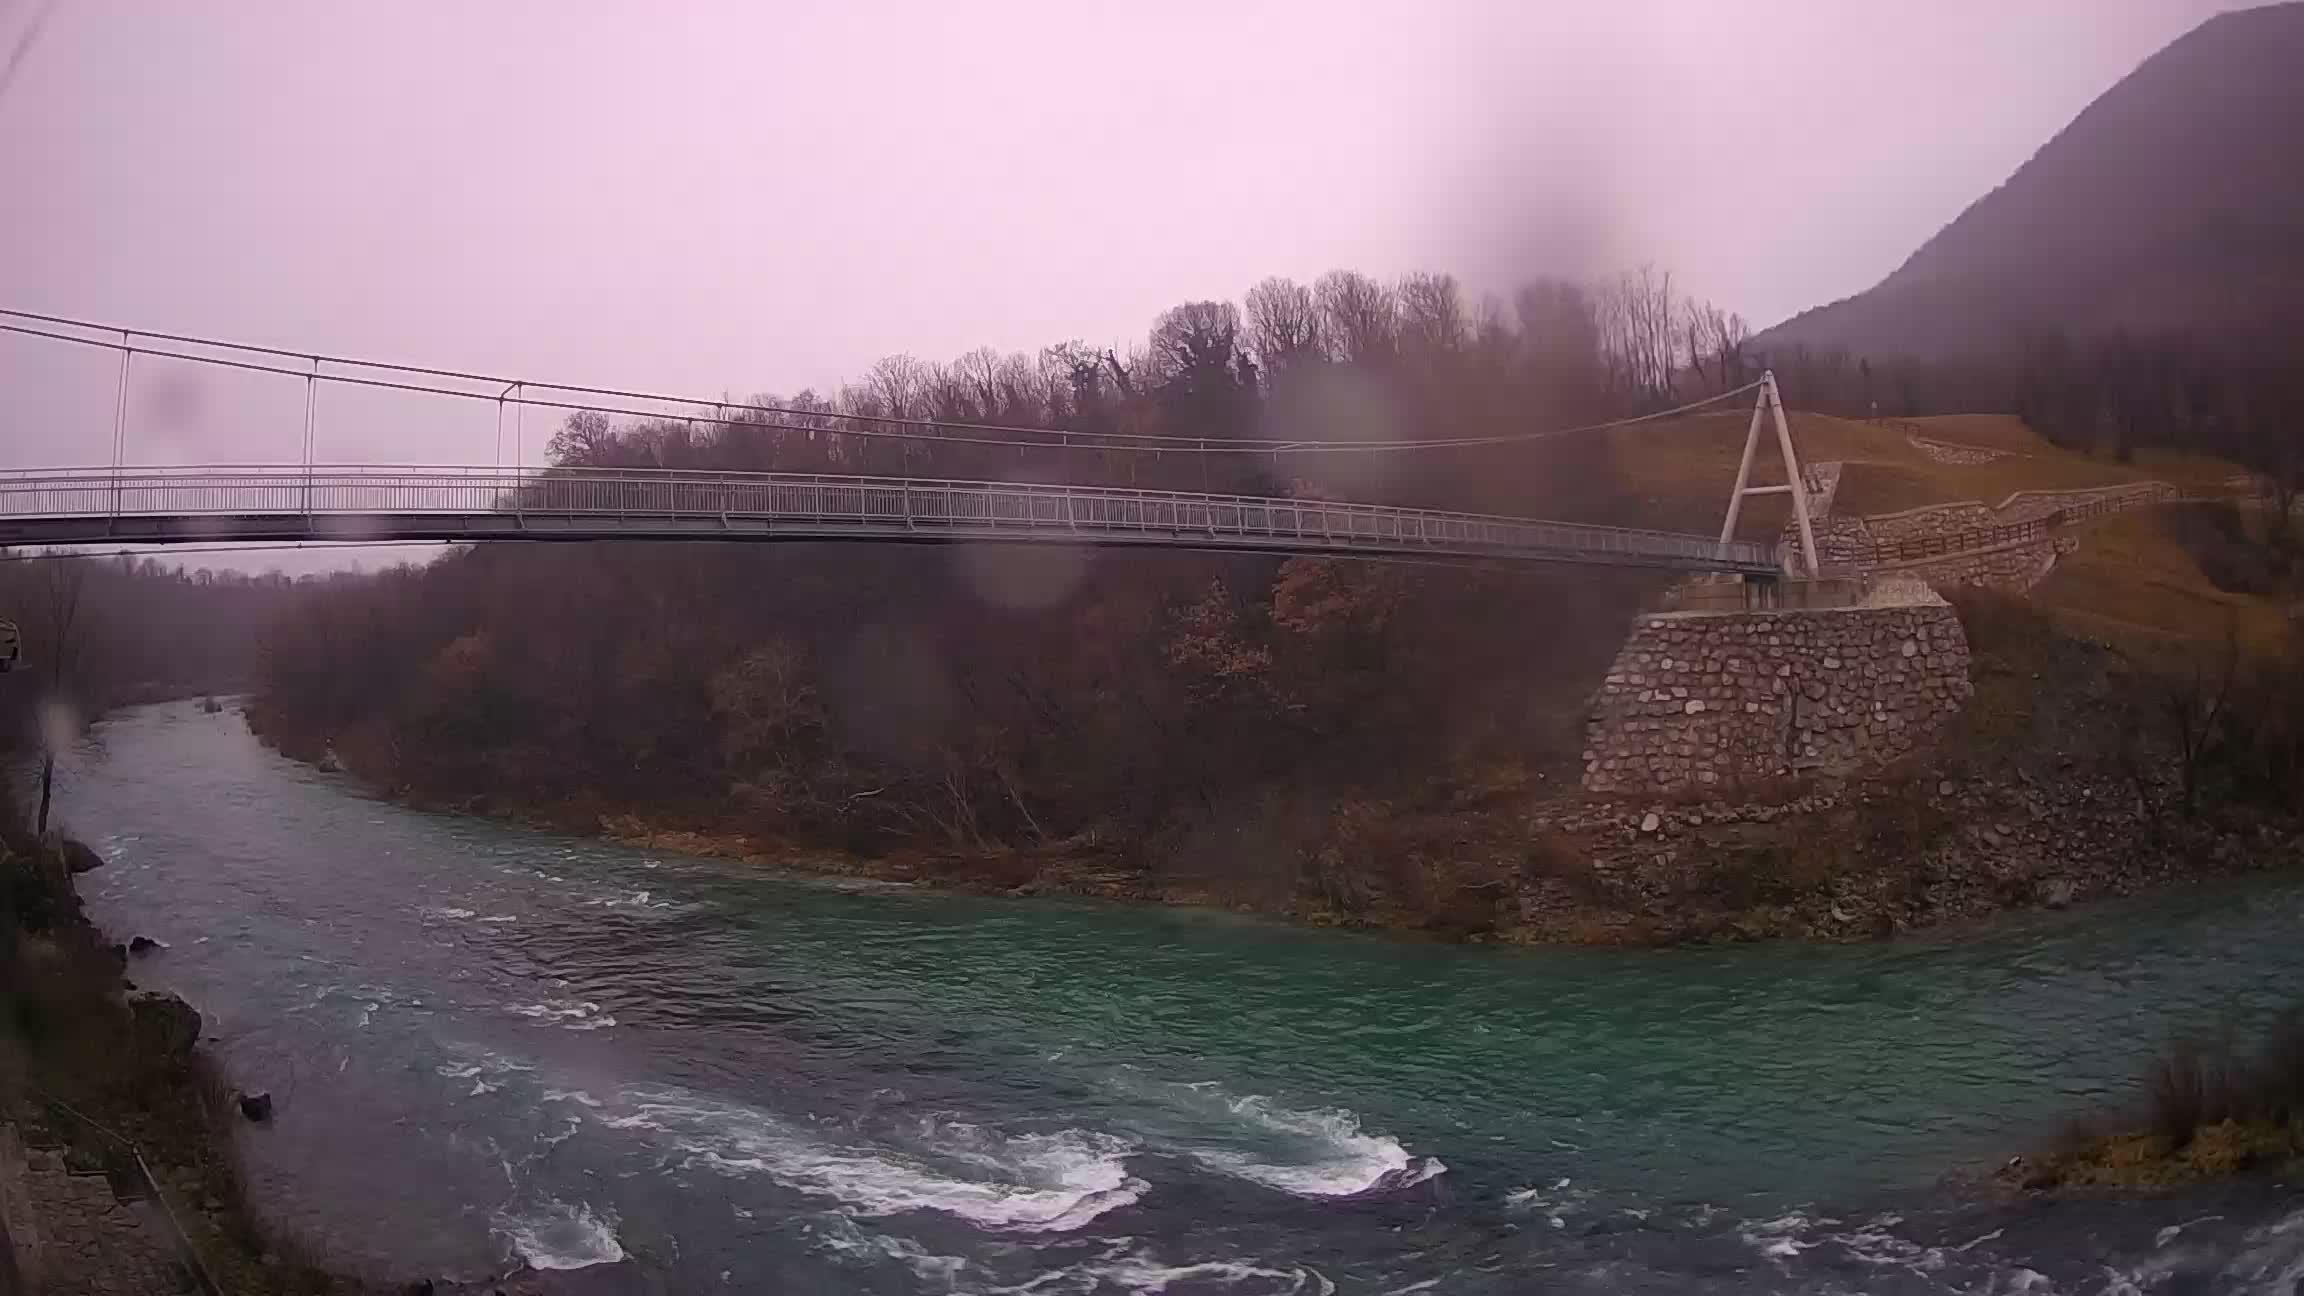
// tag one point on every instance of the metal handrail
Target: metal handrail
(900, 505)
(138, 1168)
(1946, 544)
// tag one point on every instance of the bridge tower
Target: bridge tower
(1770, 406)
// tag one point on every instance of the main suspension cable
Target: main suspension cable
(992, 434)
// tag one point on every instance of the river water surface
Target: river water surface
(491, 1046)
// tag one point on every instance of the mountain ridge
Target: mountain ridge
(2174, 200)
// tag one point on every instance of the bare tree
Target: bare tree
(2194, 706)
(1639, 313)
(1433, 321)
(900, 384)
(1196, 339)
(1026, 388)
(584, 440)
(978, 376)
(1714, 342)
(1078, 371)
(1359, 318)
(1283, 324)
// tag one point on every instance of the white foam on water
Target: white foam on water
(1779, 1239)
(1553, 1202)
(556, 1235)
(1874, 1243)
(851, 1243)
(485, 1070)
(432, 911)
(1136, 1272)
(2269, 1261)
(1318, 1153)
(568, 1014)
(861, 884)
(1027, 1183)
(629, 900)
(500, 918)
(497, 1063)
(2170, 1233)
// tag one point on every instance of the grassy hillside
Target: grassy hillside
(1983, 431)
(2134, 580)
(1675, 474)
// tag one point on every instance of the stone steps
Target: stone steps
(72, 1235)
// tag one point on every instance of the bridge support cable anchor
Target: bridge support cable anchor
(1770, 407)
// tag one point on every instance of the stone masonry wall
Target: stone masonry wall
(2023, 506)
(1702, 700)
(1933, 520)
(1846, 541)
(1944, 452)
(2014, 569)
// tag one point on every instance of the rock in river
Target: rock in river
(79, 858)
(164, 1024)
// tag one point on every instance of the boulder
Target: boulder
(143, 945)
(79, 858)
(164, 1024)
(256, 1106)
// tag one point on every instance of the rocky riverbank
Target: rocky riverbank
(118, 1171)
(118, 1155)
(1837, 860)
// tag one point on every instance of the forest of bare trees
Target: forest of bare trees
(101, 632)
(1177, 710)
(1169, 706)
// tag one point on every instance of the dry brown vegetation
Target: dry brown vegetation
(2210, 1107)
(2149, 580)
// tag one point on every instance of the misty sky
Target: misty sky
(737, 198)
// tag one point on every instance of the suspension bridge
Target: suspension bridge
(124, 504)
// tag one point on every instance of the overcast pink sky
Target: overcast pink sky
(760, 197)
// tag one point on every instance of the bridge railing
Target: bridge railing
(1927, 545)
(834, 504)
